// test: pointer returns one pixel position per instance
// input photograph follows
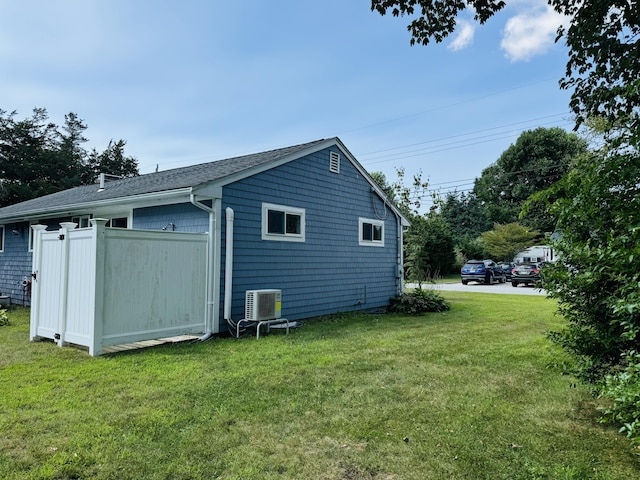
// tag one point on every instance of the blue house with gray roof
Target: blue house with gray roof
(307, 219)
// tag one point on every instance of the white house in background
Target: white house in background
(536, 253)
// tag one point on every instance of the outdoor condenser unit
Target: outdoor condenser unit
(262, 305)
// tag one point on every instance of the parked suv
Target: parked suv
(507, 268)
(482, 271)
(526, 273)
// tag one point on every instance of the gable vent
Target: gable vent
(334, 162)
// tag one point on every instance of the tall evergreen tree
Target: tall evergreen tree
(466, 216)
(111, 161)
(38, 158)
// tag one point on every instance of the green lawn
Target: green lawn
(472, 393)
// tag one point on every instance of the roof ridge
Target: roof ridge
(154, 182)
(264, 152)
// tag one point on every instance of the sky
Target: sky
(191, 81)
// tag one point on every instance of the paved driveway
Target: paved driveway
(479, 287)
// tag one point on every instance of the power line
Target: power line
(444, 147)
(428, 193)
(466, 134)
(470, 183)
(442, 107)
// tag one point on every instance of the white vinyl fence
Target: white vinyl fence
(99, 286)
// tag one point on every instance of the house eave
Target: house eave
(145, 199)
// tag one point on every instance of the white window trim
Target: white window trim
(286, 237)
(79, 219)
(114, 216)
(4, 231)
(370, 243)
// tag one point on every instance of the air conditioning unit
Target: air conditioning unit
(262, 305)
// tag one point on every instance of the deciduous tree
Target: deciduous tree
(537, 160)
(505, 241)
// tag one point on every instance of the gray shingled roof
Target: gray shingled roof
(177, 178)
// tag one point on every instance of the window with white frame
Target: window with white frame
(118, 222)
(371, 232)
(283, 223)
(82, 221)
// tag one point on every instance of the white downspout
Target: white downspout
(210, 320)
(228, 266)
(400, 266)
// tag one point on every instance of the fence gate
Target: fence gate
(47, 267)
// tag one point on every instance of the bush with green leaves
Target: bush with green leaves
(429, 250)
(596, 279)
(4, 318)
(418, 302)
(623, 390)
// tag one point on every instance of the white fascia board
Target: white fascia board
(120, 203)
(209, 190)
(273, 164)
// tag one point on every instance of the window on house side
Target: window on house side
(283, 223)
(119, 222)
(371, 232)
(82, 221)
(2, 230)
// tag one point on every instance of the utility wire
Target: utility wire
(428, 193)
(465, 134)
(444, 147)
(442, 107)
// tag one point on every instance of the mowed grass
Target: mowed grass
(472, 393)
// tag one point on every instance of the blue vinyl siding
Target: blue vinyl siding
(15, 262)
(330, 271)
(185, 217)
(16, 259)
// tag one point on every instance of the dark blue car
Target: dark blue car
(507, 268)
(482, 271)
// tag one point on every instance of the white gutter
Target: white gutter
(212, 314)
(228, 266)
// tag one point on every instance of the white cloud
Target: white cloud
(531, 33)
(464, 36)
